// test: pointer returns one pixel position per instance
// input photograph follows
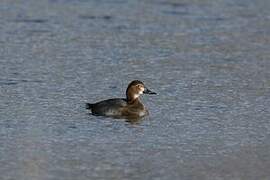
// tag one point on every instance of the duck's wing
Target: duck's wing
(116, 102)
(108, 107)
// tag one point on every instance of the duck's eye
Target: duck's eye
(139, 86)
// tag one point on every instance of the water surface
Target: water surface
(208, 61)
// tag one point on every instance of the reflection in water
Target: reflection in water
(132, 120)
(104, 17)
(30, 20)
(135, 120)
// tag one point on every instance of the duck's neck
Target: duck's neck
(131, 97)
(132, 100)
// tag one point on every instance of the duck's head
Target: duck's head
(135, 89)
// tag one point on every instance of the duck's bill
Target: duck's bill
(147, 91)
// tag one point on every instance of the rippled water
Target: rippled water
(208, 60)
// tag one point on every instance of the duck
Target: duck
(128, 107)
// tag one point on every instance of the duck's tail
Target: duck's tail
(88, 106)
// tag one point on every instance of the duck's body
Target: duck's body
(123, 107)
(118, 107)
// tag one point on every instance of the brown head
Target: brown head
(135, 89)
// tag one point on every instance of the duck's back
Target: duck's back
(110, 107)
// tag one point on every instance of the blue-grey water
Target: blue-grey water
(209, 62)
